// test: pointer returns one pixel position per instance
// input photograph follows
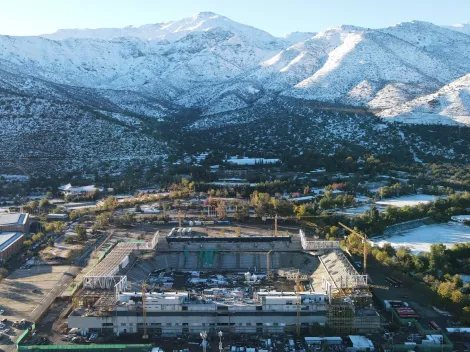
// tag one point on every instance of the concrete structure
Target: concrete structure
(113, 289)
(15, 222)
(181, 313)
(10, 243)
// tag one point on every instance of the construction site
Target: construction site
(182, 282)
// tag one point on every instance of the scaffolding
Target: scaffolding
(340, 316)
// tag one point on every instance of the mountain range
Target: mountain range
(216, 69)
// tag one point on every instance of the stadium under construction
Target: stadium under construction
(179, 284)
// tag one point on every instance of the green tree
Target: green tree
(43, 203)
(457, 280)
(103, 219)
(50, 242)
(438, 259)
(242, 212)
(81, 232)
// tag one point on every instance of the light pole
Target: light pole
(220, 341)
(203, 335)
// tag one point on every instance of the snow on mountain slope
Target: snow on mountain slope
(449, 105)
(462, 28)
(296, 37)
(212, 63)
(364, 62)
(444, 43)
(170, 31)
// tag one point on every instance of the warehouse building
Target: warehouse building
(10, 243)
(14, 222)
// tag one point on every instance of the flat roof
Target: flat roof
(13, 219)
(8, 238)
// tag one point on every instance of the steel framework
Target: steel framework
(315, 245)
(105, 275)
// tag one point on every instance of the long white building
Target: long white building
(177, 313)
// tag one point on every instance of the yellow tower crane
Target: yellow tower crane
(365, 239)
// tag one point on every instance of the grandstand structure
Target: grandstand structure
(341, 273)
(105, 275)
(332, 288)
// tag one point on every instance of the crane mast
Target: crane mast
(144, 311)
(364, 240)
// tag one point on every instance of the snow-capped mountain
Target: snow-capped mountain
(212, 63)
(449, 105)
(463, 28)
(134, 82)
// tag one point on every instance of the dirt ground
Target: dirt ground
(18, 299)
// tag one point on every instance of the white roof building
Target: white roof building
(361, 343)
(69, 189)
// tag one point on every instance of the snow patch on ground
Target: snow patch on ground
(421, 238)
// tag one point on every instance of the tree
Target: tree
(221, 210)
(43, 203)
(126, 219)
(446, 289)
(300, 210)
(37, 237)
(457, 280)
(457, 297)
(238, 232)
(381, 257)
(403, 253)
(437, 258)
(242, 213)
(334, 230)
(28, 243)
(81, 232)
(109, 203)
(49, 194)
(306, 190)
(103, 219)
(137, 208)
(50, 242)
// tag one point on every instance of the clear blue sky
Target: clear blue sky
(29, 17)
